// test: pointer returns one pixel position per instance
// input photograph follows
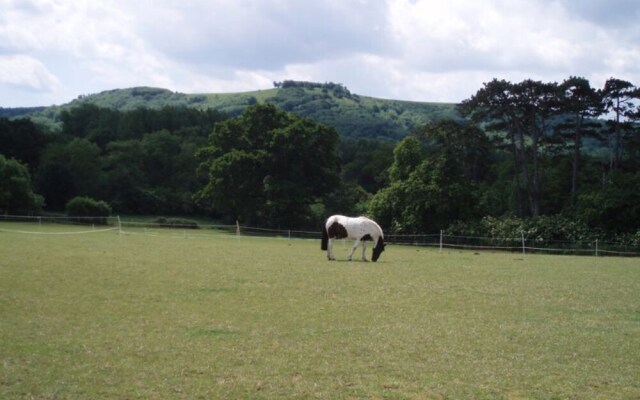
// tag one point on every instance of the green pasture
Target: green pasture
(174, 315)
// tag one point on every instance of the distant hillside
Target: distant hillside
(352, 115)
(18, 111)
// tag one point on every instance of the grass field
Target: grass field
(131, 316)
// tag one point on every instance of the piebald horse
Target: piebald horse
(360, 229)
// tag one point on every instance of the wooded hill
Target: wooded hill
(305, 150)
(352, 115)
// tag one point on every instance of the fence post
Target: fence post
(441, 231)
(596, 247)
(523, 247)
(237, 228)
(119, 226)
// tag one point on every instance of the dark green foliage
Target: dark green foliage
(555, 231)
(89, 210)
(70, 169)
(523, 115)
(141, 161)
(105, 125)
(620, 98)
(365, 162)
(529, 148)
(268, 167)
(23, 140)
(543, 228)
(614, 207)
(180, 223)
(356, 116)
(16, 192)
(125, 177)
(19, 111)
(435, 178)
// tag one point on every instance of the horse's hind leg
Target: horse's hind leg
(330, 256)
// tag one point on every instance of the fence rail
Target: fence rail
(441, 241)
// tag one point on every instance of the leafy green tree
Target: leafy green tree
(365, 162)
(267, 166)
(16, 192)
(69, 170)
(98, 125)
(407, 156)
(619, 98)
(23, 140)
(616, 206)
(433, 180)
(582, 104)
(430, 186)
(349, 199)
(423, 202)
(464, 145)
(104, 125)
(391, 206)
(159, 151)
(125, 179)
(525, 112)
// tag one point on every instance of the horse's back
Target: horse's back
(340, 226)
(369, 225)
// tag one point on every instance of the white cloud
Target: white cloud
(460, 35)
(28, 73)
(422, 50)
(267, 34)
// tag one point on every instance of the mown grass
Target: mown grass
(107, 316)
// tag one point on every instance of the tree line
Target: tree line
(522, 151)
(339, 89)
(528, 150)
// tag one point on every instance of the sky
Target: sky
(52, 51)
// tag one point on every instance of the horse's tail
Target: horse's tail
(325, 238)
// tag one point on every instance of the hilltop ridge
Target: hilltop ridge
(352, 115)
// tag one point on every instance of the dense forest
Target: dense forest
(562, 159)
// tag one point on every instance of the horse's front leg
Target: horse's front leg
(353, 249)
(364, 248)
(330, 256)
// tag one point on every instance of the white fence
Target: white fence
(518, 244)
(441, 241)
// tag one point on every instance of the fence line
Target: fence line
(440, 241)
(58, 233)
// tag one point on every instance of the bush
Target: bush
(175, 223)
(91, 211)
(543, 228)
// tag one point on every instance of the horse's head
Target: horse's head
(378, 249)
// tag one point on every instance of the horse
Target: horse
(360, 229)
